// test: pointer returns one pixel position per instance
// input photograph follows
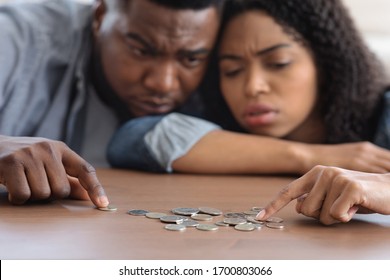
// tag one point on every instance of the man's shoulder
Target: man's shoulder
(47, 15)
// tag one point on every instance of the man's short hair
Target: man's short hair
(181, 4)
(189, 4)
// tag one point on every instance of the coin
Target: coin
(185, 211)
(190, 223)
(207, 227)
(222, 224)
(275, 220)
(137, 212)
(172, 219)
(245, 227)
(175, 227)
(210, 211)
(110, 208)
(155, 215)
(258, 226)
(251, 213)
(275, 225)
(234, 221)
(234, 215)
(253, 220)
(202, 217)
(257, 209)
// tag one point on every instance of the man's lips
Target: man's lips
(150, 107)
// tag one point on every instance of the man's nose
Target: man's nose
(162, 78)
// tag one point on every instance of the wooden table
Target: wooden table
(70, 229)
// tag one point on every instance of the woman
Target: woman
(294, 74)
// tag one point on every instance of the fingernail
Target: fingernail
(103, 201)
(260, 215)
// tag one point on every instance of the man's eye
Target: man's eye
(192, 61)
(139, 51)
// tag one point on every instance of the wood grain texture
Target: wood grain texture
(70, 229)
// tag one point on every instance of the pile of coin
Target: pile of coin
(185, 217)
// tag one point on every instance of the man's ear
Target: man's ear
(99, 11)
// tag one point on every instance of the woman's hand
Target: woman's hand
(333, 195)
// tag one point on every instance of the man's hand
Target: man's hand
(39, 169)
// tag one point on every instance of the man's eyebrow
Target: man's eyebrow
(201, 51)
(138, 38)
(259, 53)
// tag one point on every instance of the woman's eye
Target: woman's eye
(279, 65)
(232, 73)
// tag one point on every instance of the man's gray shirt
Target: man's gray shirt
(44, 54)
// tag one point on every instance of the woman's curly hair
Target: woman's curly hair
(351, 79)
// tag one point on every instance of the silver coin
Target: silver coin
(253, 220)
(210, 211)
(185, 211)
(155, 215)
(234, 221)
(257, 209)
(190, 223)
(251, 213)
(172, 219)
(222, 224)
(275, 220)
(234, 215)
(175, 227)
(275, 225)
(137, 212)
(202, 217)
(245, 227)
(109, 208)
(207, 227)
(257, 226)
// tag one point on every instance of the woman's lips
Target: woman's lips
(259, 115)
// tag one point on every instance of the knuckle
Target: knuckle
(41, 194)
(308, 210)
(285, 192)
(95, 188)
(20, 197)
(337, 216)
(59, 193)
(364, 147)
(330, 172)
(326, 221)
(88, 168)
(318, 168)
(12, 160)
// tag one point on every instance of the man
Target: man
(70, 73)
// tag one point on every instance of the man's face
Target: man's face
(154, 57)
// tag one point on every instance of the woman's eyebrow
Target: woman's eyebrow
(258, 53)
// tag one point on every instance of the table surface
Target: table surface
(71, 229)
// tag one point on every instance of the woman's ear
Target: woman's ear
(99, 11)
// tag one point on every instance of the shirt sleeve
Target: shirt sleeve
(10, 46)
(153, 143)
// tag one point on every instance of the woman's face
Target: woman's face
(268, 80)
